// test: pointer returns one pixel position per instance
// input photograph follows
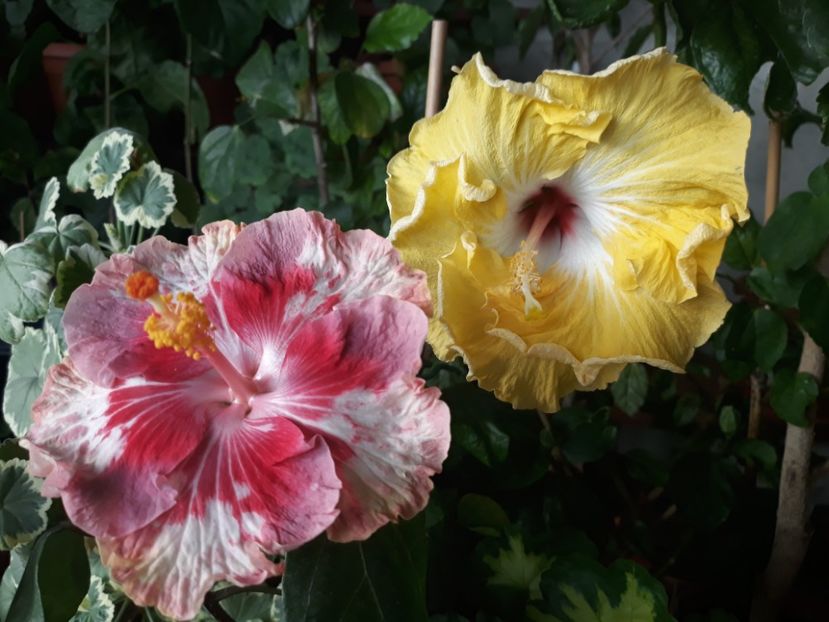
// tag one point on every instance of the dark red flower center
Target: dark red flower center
(548, 213)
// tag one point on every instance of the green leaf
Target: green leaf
(28, 66)
(78, 268)
(186, 212)
(16, 13)
(165, 89)
(110, 162)
(22, 507)
(97, 606)
(255, 160)
(797, 28)
(741, 246)
(823, 112)
(364, 105)
(814, 310)
(396, 28)
(725, 48)
(583, 436)
(368, 70)
(25, 275)
(146, 196)
(577, 589)
(83, 15)
(583, 13)
(686, 409)
(781, 92)
(728, 420)
(779, 289)
(481, 514)
(55, 580)
(30, 360)
(796, 232)
(46, 212)
(288, 13)
(218, 157)
(72, 231)
(529, 27)
(225, 27)
(819, 179)
(792, 394)
(631, 389)
(771, 336)
(263, 82)
(379, 579)
(22, 215)
(253, 607)
(332, 115)
(756, 453)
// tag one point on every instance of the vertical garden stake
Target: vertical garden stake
(433, 82)
(316, 128)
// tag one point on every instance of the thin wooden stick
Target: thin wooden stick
(791, 532)
(435, 77)
(773, 168)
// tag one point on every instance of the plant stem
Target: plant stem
(107, 54)
(583, 40)
(216, 610)
(755, 405)
(232, 590)
(660, 29)
(188, 121)
(791, 533)
(316, 134)
(773, 168)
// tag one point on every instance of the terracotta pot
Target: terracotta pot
(55, 58)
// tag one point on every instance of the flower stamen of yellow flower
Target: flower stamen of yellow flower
(178, 322)
(526, 278)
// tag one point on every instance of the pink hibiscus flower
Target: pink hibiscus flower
(287, 403)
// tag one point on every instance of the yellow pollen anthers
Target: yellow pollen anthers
(526, 279)
(178, 322)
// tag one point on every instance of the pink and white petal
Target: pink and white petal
(205, 251)
(397, 440)
(350, 377)
(355, 265)
(113, 449)
(255, 487)
(108, 344)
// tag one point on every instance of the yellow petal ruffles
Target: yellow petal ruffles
(639, 170)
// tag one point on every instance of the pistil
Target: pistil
(181, 323)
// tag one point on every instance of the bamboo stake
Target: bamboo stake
(435, 76)
(791, 533)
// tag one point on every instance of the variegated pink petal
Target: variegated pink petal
(350, 377)
(354, 265)
(254, 487)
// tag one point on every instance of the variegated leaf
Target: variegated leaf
(146, 196)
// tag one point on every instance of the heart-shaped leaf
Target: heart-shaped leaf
(146, 196)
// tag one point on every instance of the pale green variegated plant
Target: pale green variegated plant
(37, 277)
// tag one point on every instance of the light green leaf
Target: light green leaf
(22, 508)
(515, 567)
(252, 607)
(364, 105)
(368, 70)
(11, 580)
(109, 164)
(146, 196)
(396, 28)
(78, 176)
(46, 213)
(71, 231)
(255, 160)
(796, 232)
(728, 421)
(96, 606)
(25, 274)
(578, 589)
(264, 83)
(30, 360)
(332, 115)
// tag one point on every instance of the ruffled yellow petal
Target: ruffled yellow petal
(645, 169)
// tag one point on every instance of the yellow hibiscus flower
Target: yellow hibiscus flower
(571, 225)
